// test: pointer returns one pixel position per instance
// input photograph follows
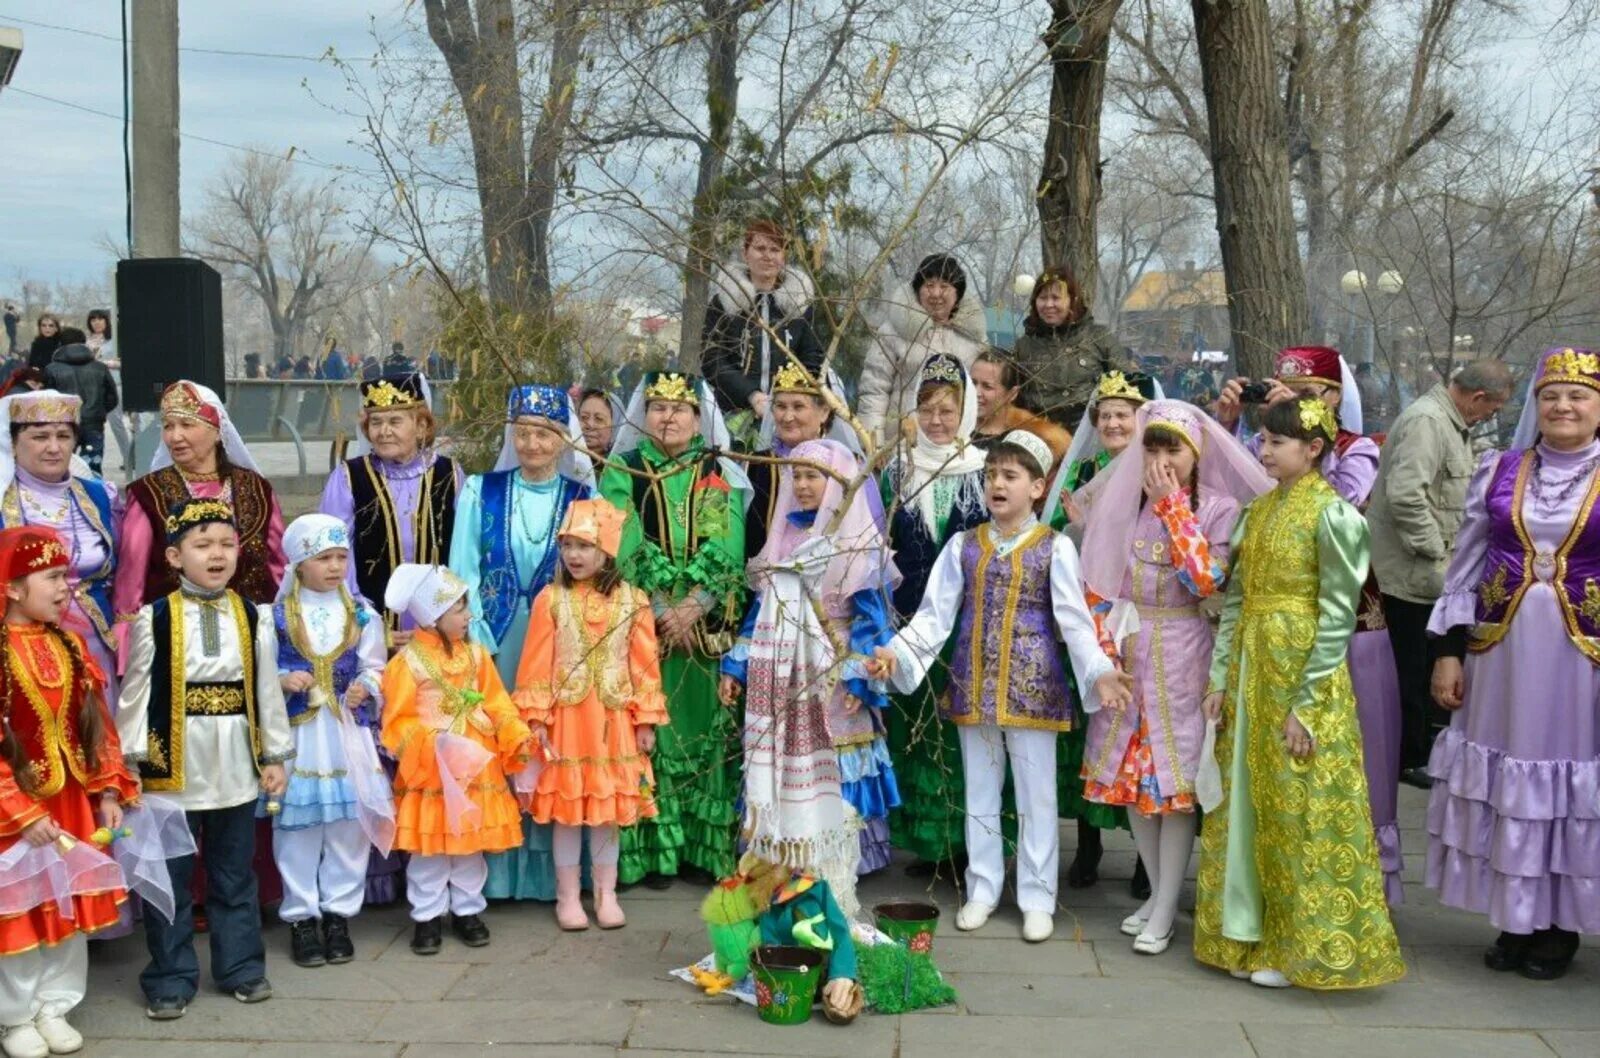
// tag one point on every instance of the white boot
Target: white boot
(24, 1041)
(1037, 926)
(58, 1035)
(973, 915)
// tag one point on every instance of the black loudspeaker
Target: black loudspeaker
(169, 326)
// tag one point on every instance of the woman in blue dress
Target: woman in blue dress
(504, 548)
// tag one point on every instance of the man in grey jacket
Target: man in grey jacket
(1416, 509)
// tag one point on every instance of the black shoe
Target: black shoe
(1139, 884)
(470, 930)
(167, 1008)
(1085, 868)
(428, 937)
(1508, 953)
(697, 875)
(305, 943)
(1549, 955)
(658, 882)
(1417, 777)
(253, 991)
(336, 939)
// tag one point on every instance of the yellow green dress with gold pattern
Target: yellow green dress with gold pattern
(1289, 876)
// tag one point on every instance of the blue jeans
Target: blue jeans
(92, 446)
(227, 839)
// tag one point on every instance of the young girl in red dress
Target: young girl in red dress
(61, 778)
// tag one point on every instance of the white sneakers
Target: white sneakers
(973, 915)
(1037, 926)
(47, 1036)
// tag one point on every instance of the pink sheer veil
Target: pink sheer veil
(862, 559)
(1116, 496)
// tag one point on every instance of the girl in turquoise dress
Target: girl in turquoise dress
(504, 548)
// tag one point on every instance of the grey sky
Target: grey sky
(61, 176)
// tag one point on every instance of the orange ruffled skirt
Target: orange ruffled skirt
(44, 926)
(596, 775)
(422, 825)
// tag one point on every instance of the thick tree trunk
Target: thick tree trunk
(1250, 169)
(1069, 180)
(550, 136)
(722, 109)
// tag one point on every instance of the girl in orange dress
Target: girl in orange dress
(61, 777)
(590, 685)
(449, 722)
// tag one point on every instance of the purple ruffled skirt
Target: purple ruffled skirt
(1513, 822)
(1377, 687)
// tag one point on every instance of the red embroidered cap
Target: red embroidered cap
(1309, 363)
(30, 549)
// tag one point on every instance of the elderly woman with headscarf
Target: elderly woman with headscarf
(503, 547)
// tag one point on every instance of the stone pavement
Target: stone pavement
(538, 993)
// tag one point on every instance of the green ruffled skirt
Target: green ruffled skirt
(697, 763)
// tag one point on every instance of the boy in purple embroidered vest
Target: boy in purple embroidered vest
(1009, 589)
(338, 804)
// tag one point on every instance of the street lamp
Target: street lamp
(10, 53)
(1353, 282)
(1391, 283)
(1022, 286)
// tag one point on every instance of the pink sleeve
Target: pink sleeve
(127, 585)
(275, 561)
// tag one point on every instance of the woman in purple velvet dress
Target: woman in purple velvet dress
(1513, 822)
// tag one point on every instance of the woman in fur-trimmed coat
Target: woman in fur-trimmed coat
(758, 314)
(929, 316)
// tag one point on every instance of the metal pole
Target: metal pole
(153, 41)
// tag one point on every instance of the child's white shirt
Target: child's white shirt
(323, 615)
(918, 645)
(219, 768)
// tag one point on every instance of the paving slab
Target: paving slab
(1070, 1037)
(1573, 1044)
(718, 1028)
(501, 1022)
(1283, 1041)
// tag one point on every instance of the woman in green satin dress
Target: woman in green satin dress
(1290, 890)
(683, 544)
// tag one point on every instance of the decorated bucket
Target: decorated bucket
(786, 982)
(909, 922)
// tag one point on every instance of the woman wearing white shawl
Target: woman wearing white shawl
(931, 490)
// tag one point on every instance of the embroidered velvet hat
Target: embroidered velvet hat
(28, 549)
(191, 514)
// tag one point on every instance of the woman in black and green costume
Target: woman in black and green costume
(1106, 429)
(683, 544)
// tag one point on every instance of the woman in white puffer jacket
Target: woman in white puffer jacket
(928, 316)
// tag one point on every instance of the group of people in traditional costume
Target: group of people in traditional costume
(734, 628)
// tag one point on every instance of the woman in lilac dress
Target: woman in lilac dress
(38, 432)
(1513, 823)
(398, 500)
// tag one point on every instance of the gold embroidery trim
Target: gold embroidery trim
(214, 700)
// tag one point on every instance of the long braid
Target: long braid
(10, 745)
(91, 725)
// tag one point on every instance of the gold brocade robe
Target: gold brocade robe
(1289, 877)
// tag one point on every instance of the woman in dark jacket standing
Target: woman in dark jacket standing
(46, 340)
(759, 307)
(1063, 351)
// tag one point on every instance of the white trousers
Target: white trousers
(46, 982)
(324, 869)
(984, 748)
(436, 884)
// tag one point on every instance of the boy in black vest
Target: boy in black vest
(202, 714)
